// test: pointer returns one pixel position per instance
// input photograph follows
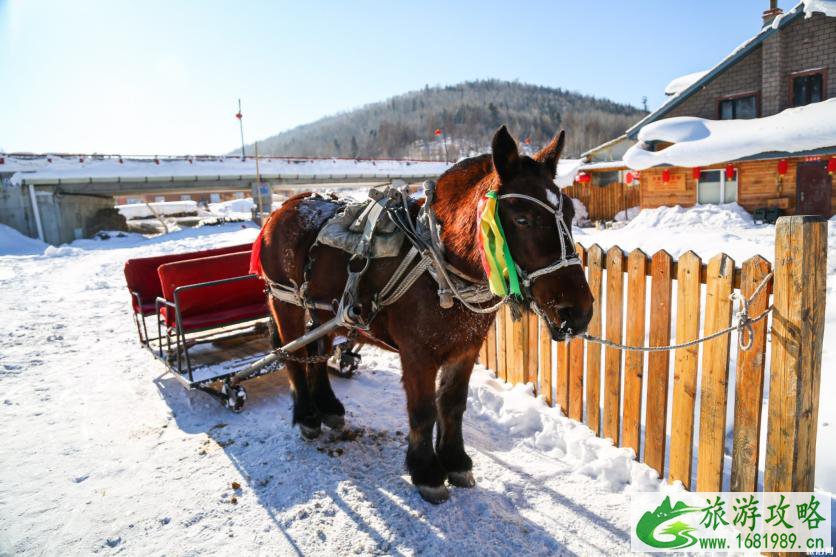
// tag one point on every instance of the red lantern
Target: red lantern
(783, 166)
(697, 172)
(584, 178)
(438, 131)
(666, 175)
(628, 178)
(729, 171)
(239, 115)
(831, 166)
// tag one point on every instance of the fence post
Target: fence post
(799, 289)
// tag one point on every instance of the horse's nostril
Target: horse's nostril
(574, 318)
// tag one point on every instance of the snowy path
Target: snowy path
(102, 453)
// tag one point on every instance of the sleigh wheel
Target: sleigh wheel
(234, 396)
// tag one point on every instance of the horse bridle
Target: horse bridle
(568, 255)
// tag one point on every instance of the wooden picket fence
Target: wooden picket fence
(609, 400)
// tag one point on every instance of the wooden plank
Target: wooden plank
(658, 363)
(595, 262)
(501, 344)
(520, 354)
(546, 370)
(795, 374)
(510, 347)
(491, 347)
(576, 350)
(715, 374)
(748, 391)
(612, 356)
(562, 384)
(483, 353)
(634, 361)
(532, 328)
(685, 368)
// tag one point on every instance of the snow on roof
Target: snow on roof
(603, 165)
(567, 169)
(827, 7)
(698, 142)
(683, 82)
(75, 168)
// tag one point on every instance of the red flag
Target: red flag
(239, 115)
(438, 131)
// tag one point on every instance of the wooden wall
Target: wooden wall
(603, 202)
(757, 184)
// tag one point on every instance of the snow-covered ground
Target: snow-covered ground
(105, 453)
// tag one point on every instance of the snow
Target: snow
(627, 214)
(581, 214)
(55, 167)
(106, 452)
(827, 7)
(567, 169)
(141, 210)
(13, 242)
(698, 142)
(233, 207)
(681, 83)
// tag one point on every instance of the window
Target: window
(185, 197)
(159, 198)
(713, 187)
(214, 197)
(807, 89)
(739, 108)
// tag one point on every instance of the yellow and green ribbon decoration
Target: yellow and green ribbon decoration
(496, 257)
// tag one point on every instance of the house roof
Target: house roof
(736, 55)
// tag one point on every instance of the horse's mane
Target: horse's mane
(458, 192)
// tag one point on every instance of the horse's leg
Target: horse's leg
(423, 465)
(329, 406)
(451, 401)
(290, 321)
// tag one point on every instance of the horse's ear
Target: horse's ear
(506, 157)
(550, 154)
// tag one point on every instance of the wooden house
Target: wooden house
(790, 62)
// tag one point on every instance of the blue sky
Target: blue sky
(163, 77)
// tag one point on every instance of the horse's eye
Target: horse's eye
(522, 221)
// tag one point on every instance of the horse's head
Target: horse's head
(537, 220)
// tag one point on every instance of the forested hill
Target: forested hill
(468, 113)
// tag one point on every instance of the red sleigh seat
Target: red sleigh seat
(144, 281)
(211, 292)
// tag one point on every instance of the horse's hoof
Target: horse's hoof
(334, 421)
(461, 479)
(308, 432)
(434, 494)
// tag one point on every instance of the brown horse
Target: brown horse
(428, 337)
